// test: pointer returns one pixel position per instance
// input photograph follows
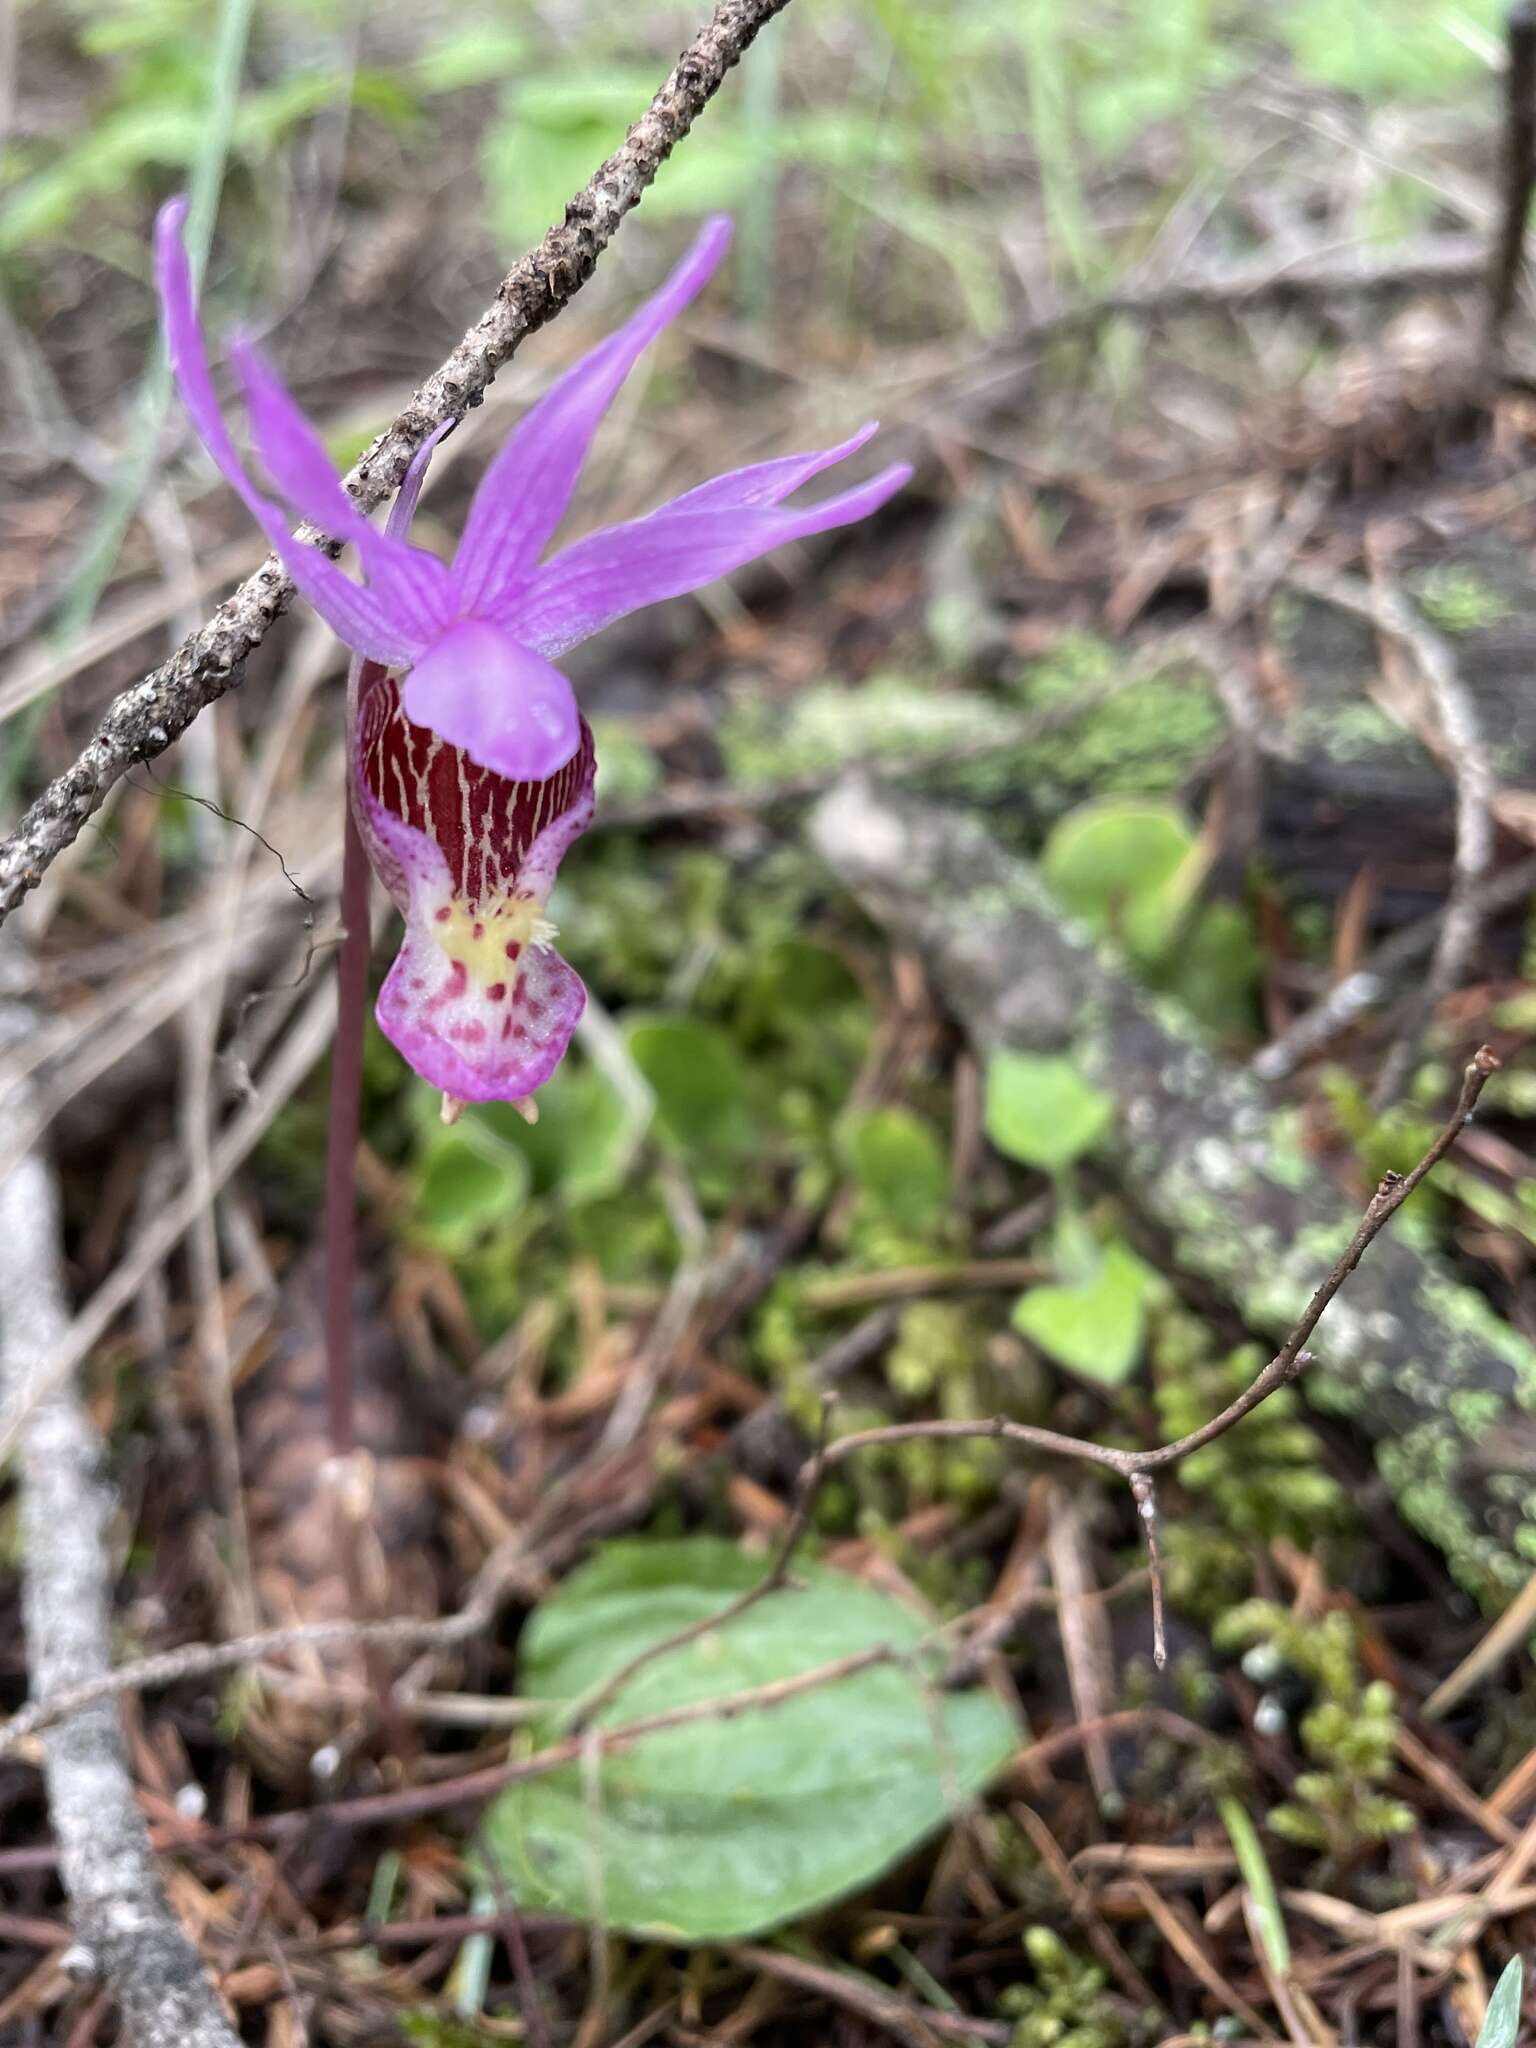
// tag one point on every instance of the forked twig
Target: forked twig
(1137, 1467)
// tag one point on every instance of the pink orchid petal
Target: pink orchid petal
(478, 1001)
(622, 568)
(766, 483)
(524, 493)
(403, 510)
(295, 459)
(446, 1025)
(363, 618)
(503, 704)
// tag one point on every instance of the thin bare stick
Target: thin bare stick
(125, 1932)
(1373, 981)
(502, 1571)
(884, 2009)
(475, 1786)
(1466, 757)
(776, 1576)
(305, 1042)
(143, 720)
(1519, 172)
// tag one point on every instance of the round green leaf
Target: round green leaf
(1042, 1111)
(723, 1828)
(700, 1084)
(1121, 866)
(469, 1181)
(898, 1163)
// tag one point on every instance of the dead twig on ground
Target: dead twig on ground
(881, 2008)
(303, 1045)
(145, 719)
(125, 1932)
(1372, 983)
(1466, 757)
(203, 1660)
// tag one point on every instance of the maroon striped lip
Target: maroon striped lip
(482, 823)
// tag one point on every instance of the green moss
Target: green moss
(1458, 600)
(1262, 1481)
(891, 718)
(1350, 732)
(1350, 1731)
(1145, 740)
(1068, 2005)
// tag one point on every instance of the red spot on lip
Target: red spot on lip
(513, 949)
(442, 913)
(497, 991)
(506, 1027)
(479, 932)
(535, 1009)
(472, 1033)
(459, 978)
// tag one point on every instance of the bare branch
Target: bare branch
(1137, 1467)
(1466, 757)
(125, 1931)
(203, 1660)
(145, 719)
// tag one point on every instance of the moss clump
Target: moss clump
(1350, 1731)
(1263, 1480)
(1458, 600)
(1067, 2006)
(1146, 740)
(891, 718)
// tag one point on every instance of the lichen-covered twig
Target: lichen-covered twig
(144, 719)
(125, 1931)
(1419, 1360)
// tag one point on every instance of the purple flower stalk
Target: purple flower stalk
(471, 767)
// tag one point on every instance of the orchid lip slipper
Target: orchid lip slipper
(471, 768)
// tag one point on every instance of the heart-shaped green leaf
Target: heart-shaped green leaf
(1042, 1111)
(1094, 1326)
(725, 1827)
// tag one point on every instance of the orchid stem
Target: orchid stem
(345, 1130)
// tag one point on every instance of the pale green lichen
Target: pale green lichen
(1457, 600)
(1145, 741)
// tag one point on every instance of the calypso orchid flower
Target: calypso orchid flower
(471, 768)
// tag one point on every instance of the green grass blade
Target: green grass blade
(1254, 1866)
(101, 550)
